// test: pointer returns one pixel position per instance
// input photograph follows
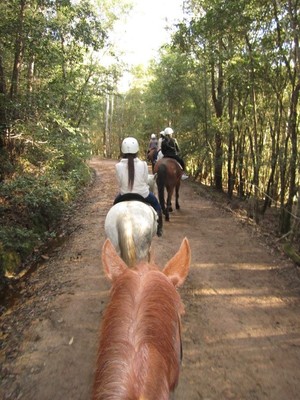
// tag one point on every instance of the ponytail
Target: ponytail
(130, 158)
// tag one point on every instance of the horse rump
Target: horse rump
(130, 225)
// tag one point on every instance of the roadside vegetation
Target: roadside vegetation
(52, 89)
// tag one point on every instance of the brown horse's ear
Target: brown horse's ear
(177, 268)
(112, 263)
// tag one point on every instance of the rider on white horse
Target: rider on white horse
(132, 176)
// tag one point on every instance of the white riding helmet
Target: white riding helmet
(169, 131)
(130, 146)
(153, 136)
(162, 133)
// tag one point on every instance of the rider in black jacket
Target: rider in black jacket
(170, 148)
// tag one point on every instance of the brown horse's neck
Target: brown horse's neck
(139, 353)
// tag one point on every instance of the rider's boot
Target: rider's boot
(160, 225)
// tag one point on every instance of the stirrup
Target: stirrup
(184, 177)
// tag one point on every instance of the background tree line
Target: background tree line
(228, 84)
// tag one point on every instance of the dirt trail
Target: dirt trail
(241, 330)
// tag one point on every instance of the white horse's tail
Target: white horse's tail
(152, 182)
(126, 242)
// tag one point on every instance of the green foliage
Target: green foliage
(46, 179)
(32, 207)
(16, 244)
(38, 202)
(52, 87)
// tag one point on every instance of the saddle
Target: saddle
(130, 197)
(173, 158)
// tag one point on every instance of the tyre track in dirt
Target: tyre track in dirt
(241, 335)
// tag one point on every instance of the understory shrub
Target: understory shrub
(38, 184)
(31, 208)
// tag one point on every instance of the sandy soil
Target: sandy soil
(241, 330)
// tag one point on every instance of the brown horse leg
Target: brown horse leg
(177, 197)
(160, 225)
(167, 208)
(169, 200)
(166, 212)
(151, 158)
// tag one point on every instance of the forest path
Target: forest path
(241, 330)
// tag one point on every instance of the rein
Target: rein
(180, 338)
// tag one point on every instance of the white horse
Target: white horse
(130, 226)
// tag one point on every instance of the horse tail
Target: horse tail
(161, 182)
(152, 181)
(126, 242)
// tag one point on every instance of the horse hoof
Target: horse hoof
(170, 209)
(159, 232)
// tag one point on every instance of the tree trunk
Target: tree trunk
(3, 121)
(275, 135)
(292, 127)
(30, 79)
(106, 138)
(18, 53)
(230, 167)
(218, 98)
(254, 135)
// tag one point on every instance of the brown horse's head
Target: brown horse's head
(140, 348)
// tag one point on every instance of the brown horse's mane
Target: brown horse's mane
(139, 353)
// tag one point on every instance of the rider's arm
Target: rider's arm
(145, 176)
(163, 146)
